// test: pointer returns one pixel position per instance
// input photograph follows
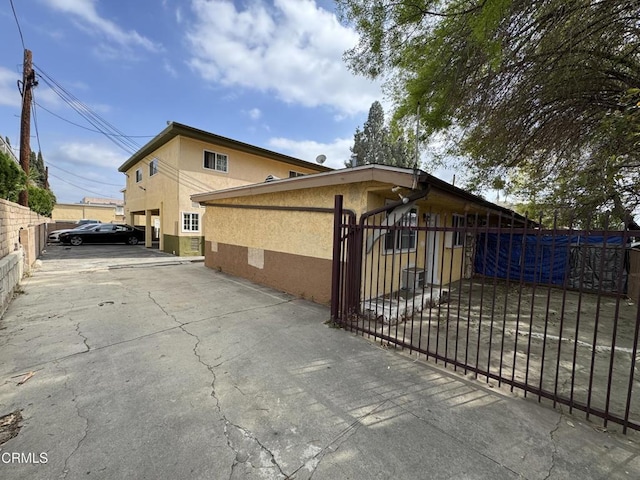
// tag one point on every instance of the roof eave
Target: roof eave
(175, 129)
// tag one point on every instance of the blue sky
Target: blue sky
(265, 72)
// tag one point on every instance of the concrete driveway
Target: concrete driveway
(148, 366)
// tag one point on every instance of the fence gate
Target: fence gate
(540, 310)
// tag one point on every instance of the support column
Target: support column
(148, 232)
(160, 234)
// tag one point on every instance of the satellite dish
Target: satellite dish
(321, 159)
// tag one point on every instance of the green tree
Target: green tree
(540, 90)
(41, 200)
(37, 171)
(378, 144)
(12, 178)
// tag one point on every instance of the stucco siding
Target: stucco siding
(294, 232)
(192, 245)
(300, 275)
(73, 212)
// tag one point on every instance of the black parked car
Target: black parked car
(104, 233)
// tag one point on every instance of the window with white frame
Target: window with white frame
(153, 167)
(216, 161)
(138, 175)
(457, 237)
(190, 222)
(293, 174)
(404, 235)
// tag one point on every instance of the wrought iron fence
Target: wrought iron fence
(502, 298)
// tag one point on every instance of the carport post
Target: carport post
(335, 266)
(148, 232)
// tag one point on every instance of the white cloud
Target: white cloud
(337, 152)
(9, 94)
(293, 49)
(85, 14)
(254, 113)
(88, 154)
(169, 69)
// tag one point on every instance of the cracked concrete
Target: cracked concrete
(65, 470)
(177, 371)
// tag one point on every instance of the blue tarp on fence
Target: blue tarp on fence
(547, 259)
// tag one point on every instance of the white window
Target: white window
(138, 175)
(190, 222)
(153, 167)
(404, 235)
(216, 161)
(456, 237)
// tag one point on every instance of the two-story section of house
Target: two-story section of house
(182, 161)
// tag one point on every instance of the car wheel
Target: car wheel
(76, 241)
(132, 240)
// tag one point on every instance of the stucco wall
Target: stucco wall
(181, 173)
(70, 212)
(298, 235)
(301, 275)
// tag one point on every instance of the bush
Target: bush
(41, 200)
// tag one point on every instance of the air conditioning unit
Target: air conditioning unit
(413, 279)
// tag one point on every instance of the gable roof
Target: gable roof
(383, 174)
(175, 129)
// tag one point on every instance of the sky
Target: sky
(265, 72)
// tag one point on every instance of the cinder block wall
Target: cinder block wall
(22, 239)
(14, 217)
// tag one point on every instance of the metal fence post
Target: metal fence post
(335, 267)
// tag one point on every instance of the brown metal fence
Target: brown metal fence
(541, 310)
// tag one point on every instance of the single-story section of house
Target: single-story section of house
(280, 233)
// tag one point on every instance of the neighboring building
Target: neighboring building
(6, 148)
(106, 210)
(182, 161)
(278, 234)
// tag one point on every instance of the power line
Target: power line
(84, 178)
(35, 122)
(116, 136)
(78, 186)
(87, 128)
(18, 24)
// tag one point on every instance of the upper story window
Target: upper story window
(153, 167)
(293, 174)
(138, 175)
(216, 161)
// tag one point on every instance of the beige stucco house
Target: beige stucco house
(280, 233)
(182, 161)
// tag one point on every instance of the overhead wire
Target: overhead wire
(78, 186)
(123, 141)
(35, 123)
(87, 128)
(13, 8)
(102, 126)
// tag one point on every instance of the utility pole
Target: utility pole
(28, 82)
